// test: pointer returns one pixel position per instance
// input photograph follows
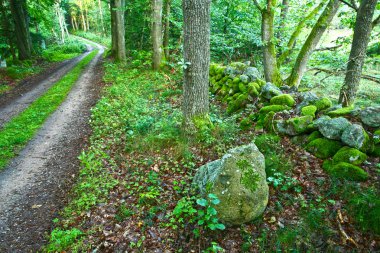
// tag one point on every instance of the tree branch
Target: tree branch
(328, 48)
(257, 5)
(341, 72)
(376, 21)
(352, 4)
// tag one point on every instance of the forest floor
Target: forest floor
(33, 186)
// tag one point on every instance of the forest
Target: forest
(189, 126)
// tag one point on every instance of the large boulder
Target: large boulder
(294, 126)
(371, 116)
(269, 90)
(333, 128)
(355, 136)
(239, 181)
(252, 73)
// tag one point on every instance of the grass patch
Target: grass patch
(98, 38)
(16, 133)
(4, 88)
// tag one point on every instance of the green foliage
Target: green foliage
(17, 132)
(96, 37)
(284, 182)
(21, 70)
(68, 50)
(200, 212)
(61, 239)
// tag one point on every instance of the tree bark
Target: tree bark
(119, 30)
(167, 30)
(20, 19)
(296, 33)
(312, 42)
(113, 28)
(84, 26)
(362, 33)
(157, 33)
(271, 72)
(196, 48)
(101, 17)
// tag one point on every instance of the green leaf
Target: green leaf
(202, 202)
(212, 196)
(220, 226)
(201, 222)
(215, 201)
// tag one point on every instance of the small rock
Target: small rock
(371, 116)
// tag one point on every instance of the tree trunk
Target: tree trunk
(312, 42)
(113, 28)
(157, 33)
(167, 30)
(196, 29)
(81, 9)
(362, 33)
(120, 30)
(296, 33)
(271, 72)
(101, 17)
(23, 39)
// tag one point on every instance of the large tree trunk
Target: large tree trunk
(101, 17)
(23, 39)
(271, 72)
(196, 48)
(296, 33)
(362, 33)
(120, 30)
(167, 30)
(157, 33)
(113, 28)
(312, 41)
(81, 9)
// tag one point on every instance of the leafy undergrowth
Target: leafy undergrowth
(17, 132)
(60, 52)
(134, 194)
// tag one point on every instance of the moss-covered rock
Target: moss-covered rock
(294, 126)
(344, 170)
(239, 181)
(284, 99)
(376, 151)
(237, 104)
(349, 155)
(333, 128)
(376, 137)
(341, 112)
(246, 123)
(323, 104)
(273, 108)
(236, 80)
(268, 122)
(252, 89)
(355, 136)
(313, 136)
(242, 87)
(323, 148)
(309, 110)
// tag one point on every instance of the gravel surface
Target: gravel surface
(34, 186)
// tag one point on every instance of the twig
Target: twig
(352, 4)
(328, 48)
(345, 238)
(341, 72)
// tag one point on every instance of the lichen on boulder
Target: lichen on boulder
(284, 99)
(269, 90)
(371, 116)
(333, 128)
(238, 179)
(323, 148)
(355, 136)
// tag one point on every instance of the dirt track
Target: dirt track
(34, 186)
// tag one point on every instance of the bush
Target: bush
(70, 49)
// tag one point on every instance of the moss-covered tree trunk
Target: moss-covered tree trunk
(167, 29)
(157, 33)
(312, 41)
(20, 19)
(296, 33)
(271, 72)
(362, 32)
(196, 49)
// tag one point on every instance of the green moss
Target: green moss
(236, 80)
(294, 126)
(268, 121)
(313, 136)
(273, 108)
(376, 151)
(376, 137)
(309, 110)
(349, 155)
(323, 148)
(345, 171)
(261, 82)
(202, 122)
(284, 99)
(252, 90)
(246, 123)
(249, 178)
(243, 87)
(341, 112)
(237, 104)
(323, 104)
(220, 70)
